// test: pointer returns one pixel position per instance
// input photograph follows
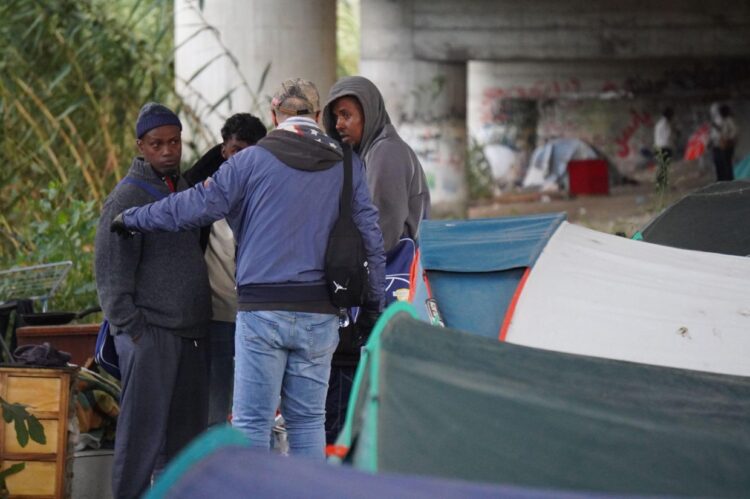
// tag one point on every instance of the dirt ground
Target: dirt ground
(626, 209)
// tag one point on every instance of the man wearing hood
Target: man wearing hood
(355, 114)
(281, 199)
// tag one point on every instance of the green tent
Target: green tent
(436, 401)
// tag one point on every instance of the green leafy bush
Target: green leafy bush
(479, 179)
(73, 76)
(26, 426)
(61, 228)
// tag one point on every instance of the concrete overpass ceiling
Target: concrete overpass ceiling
(445, 30)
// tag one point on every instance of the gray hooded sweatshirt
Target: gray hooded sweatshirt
(397, 183)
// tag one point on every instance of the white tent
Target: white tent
(596, 294)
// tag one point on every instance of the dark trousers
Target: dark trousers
(723, 162)
(337, 400)
(163, 404)
(221, 371)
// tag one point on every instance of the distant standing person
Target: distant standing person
(723, 139)
(355, 114)
(241, 130)
(153, 289)
(664, 135)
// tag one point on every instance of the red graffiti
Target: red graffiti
(538, 90)
(636, 121)
(610, 86)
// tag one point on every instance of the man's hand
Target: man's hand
(118, 226)
(365, 322)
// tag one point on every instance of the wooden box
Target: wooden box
(47, 395)
(76, 339)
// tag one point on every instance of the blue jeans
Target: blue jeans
(221, 371)
(285, 354)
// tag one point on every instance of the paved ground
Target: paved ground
(626, 209)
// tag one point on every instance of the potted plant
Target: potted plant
(26, 426)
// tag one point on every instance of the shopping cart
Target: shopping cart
(22, 286)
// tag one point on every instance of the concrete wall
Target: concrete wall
(425, 100)
(513, 107)
(242, 50)
(502, 30)
(599, 71)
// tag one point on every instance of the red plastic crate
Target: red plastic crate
(588, 176)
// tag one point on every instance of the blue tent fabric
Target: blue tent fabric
(485, 245)
(215, 465)
(475, 302)
(474, 266)
(742, 169)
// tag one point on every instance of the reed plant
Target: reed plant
(73, 76)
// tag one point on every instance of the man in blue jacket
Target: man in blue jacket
(281, 199)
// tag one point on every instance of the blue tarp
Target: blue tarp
(219, 464)
(474, 266)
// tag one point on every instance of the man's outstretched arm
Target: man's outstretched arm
(190, 209)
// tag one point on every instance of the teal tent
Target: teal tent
(742, 169)
(437, 401)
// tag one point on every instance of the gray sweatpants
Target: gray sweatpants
(163, 404)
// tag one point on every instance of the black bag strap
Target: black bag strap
(345, 205)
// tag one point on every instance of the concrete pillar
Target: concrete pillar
(425, 100)
(232, 54)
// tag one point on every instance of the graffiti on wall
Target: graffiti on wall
(435, 128)
(508, 137)
(614, 111)
(538, 90)
(440, 148)
(688, 79)
(638, 120)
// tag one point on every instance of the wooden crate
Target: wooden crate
(47, 393)
(76, 339)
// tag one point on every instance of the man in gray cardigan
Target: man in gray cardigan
(153, 288)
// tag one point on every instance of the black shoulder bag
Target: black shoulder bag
(346, 261)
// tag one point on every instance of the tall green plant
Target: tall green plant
(73, 75)
(347, 37)
(479, 179)
(663, 161)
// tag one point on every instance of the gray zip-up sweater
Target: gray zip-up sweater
(151, 280)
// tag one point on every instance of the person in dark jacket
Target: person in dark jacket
(355, 114)
(241, 130)
(281, 199)
(154, 291)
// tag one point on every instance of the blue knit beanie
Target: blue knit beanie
(153, 115)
